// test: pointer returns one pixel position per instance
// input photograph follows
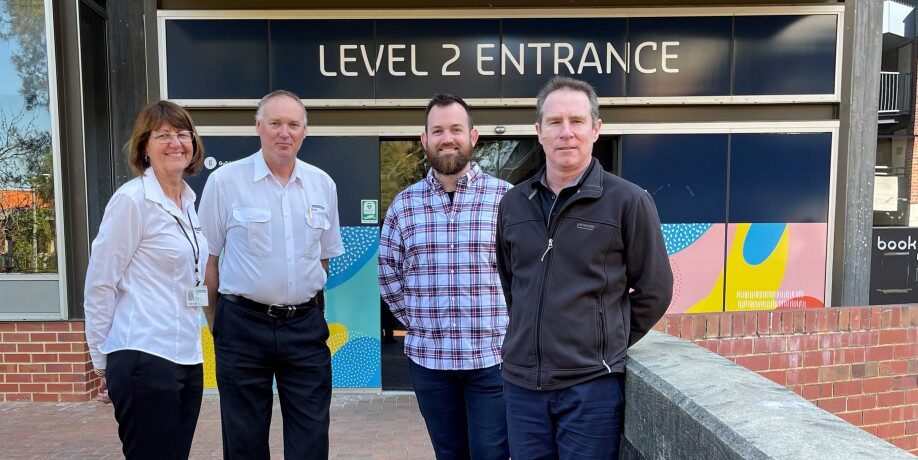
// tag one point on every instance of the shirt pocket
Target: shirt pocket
(257, 224)
(317, 223)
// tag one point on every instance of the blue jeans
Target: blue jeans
(579, 422)
(464, 411)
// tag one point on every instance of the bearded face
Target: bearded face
(448, 140)
(449, 159)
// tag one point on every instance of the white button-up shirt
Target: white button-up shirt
(139, 269)
(273, 236)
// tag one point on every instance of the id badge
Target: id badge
(196, 296)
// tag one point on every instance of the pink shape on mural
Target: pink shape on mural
(696, 269)
(806, 263)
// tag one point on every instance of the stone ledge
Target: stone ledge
(686, 402)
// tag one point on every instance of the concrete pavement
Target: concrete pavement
(363, 426)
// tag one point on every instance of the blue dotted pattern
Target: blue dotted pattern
(356, 364)
(680, 236)
(360, 244)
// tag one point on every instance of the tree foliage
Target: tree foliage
(27, 214)
(23, 22)
(401, 163)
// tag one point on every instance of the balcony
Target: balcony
(895, 94)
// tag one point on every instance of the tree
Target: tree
(23, 22)
(26, 163)
(401, 163)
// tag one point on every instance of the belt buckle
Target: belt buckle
(277, 311)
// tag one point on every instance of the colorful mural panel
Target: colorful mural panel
(767, 267)
(696, 256)
(775, 265)
(353, 311)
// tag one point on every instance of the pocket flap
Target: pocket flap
(318, 219)
(252, 214)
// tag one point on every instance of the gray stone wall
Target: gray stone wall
(683, 401)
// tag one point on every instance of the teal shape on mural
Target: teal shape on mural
(357, 365)
(355, 303)
(360, 244)
(677, 237)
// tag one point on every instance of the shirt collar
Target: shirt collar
(153, 191)
(543, 181)
(470, 177)
(260, 168)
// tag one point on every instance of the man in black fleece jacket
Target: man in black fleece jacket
(586, 275)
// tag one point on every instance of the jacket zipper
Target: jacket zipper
(551, 230)
(602, 338)
(550, 242)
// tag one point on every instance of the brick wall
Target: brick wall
(859, 363)
(45, 361)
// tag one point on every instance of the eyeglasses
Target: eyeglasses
(165, 137)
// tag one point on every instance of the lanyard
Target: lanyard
(195, 247)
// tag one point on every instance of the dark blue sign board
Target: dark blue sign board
(501, 58)
(894, 266)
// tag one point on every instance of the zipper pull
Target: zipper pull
(607, 366)
(550, 242)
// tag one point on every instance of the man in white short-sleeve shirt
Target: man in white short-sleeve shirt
(275, 219)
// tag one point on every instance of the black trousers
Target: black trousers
(252, 350)
(157, 403)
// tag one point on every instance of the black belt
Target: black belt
(279, 311)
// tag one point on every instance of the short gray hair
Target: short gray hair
(559, 83)
(260, 111)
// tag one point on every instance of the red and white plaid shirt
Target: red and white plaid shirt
(438, 271)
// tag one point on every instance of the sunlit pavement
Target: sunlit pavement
(363, 426)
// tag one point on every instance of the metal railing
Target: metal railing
(895, 93)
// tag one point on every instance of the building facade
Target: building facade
(753, 125)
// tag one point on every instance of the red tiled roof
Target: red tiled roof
(13, 199)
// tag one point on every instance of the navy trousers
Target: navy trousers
(157, 403)
(464, 411)
(253, 349)
(579, 422)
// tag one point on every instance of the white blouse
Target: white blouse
(140, 267)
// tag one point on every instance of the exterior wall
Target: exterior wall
(45, 362)
(860, 363)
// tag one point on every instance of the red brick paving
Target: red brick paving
(363, 426)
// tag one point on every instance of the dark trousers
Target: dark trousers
(579, 422)
(464, 411)
(252, 349)
(157, 403)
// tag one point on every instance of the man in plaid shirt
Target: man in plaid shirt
(438, 273)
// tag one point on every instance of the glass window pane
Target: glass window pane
(27, 218)
(403, 162)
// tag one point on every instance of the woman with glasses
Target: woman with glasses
(145, 289)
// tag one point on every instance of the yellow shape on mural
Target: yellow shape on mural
(754, 287)
(337, 337)
(713, 301)
(210, 363)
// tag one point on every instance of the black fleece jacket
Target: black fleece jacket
(583, 290)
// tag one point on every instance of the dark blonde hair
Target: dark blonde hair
(151, 118)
